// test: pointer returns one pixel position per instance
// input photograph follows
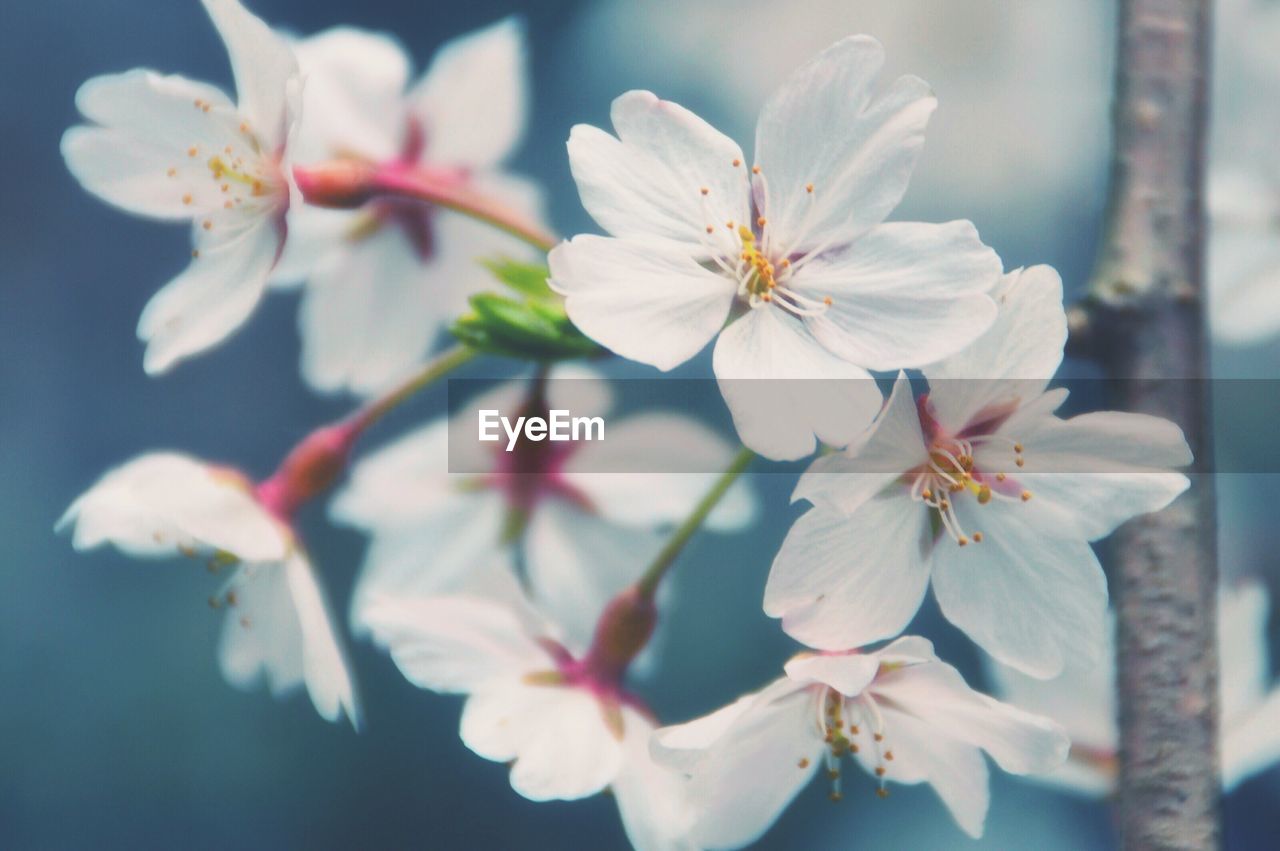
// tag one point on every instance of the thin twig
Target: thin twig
(648, 582)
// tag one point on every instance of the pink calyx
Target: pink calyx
(310, 469)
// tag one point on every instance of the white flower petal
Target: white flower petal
(368, 314)
(785, 391)
(682, 455)
(892, 445)
(138, 156)
(325, 668)
(935, 693)
(264, 68)
(1240, 198)
(826, 126)
(904, 294)
(454, 551)
(649, 302)
(1251, 743)
(847, 673)
(843, 581)
(577, 562)
(1244, 668)
(473, 99)
(456, 643)
(651, 798)
(562, 746)
(684, 746)
(1028, 599)
(1081, 699)
(352, 100)
(648, 181)
(1244, 285)
(1094, 471)
(1015, 358)
(158, 503)
(215, 295)
(746, 762)
(907, 650)
(280, 630)
(312, 233)
(955, 769)
(401, 483)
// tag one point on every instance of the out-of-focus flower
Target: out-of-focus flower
(1083, 701)
(1244, 175)
(980, 486)
(794, 242)
(556, 710)
(585, 524)
(1244, 252)
(901, 713)
(383, 280)
(171, 148)
(277, 625)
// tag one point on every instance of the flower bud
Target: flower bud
(309, 470)
(339, 184)
(621, 633)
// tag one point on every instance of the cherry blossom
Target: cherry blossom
(277, 626)
(170, 148)
(586, 526)
(382, 281)
(981, 487)
(901, 714)
(791, 250)
(558, 712)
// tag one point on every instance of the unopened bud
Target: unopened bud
(339, 184)
(309, 470)
(621, 633)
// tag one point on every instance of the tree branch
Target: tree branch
(1146, 320)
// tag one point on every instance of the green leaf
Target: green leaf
(528, 279)
(528, 329)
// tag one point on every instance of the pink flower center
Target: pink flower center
(952, 471)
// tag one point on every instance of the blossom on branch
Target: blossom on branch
(980, 487)
(900, 713)
(791, 250)
(277, 625)
(171, 148)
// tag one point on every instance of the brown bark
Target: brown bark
(1147, 322)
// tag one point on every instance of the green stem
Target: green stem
(648, 583)
(429, 374)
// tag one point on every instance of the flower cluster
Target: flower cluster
(530, 585)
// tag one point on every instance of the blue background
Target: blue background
(116, 729)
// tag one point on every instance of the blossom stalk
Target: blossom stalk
(648, 582)
(316, 464)
(348, 184)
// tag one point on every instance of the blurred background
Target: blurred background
(116, 729)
